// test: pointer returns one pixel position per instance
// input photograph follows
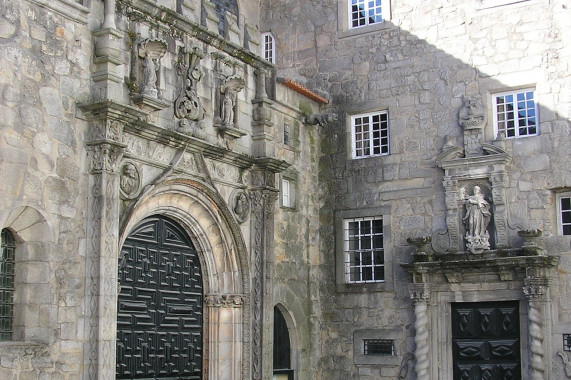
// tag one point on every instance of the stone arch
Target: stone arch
(34, 292)
(217, 238)
(296, 316)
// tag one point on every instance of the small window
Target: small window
(515, 113)
(378, 347)
(287, 135)
(370, 134)
(268, 47)
(7, 263)
(566, 342)
(286, 194)
(364, 251)
(366, 12)
(564, 213)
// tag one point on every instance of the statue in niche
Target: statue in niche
(472, 114)
(151, 51)
(229, 89)
(227, 112)
(477, 218)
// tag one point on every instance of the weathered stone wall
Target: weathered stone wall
(45, 65)
(418, 66)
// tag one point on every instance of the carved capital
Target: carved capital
(224, 300)
(104, 157)
(420, 293)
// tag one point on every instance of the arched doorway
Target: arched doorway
(160, 304)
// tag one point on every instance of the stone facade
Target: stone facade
(425, 63)
(116, 111)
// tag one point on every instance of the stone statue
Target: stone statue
(149, 75)
(477, 218)
(151, 51)
(229, 89)
(227, 111)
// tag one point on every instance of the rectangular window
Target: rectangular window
(515, 113)
(364, 251)
(564, 213)
(365, 12)
(287, 135)
(370, 134)
(566, 342)
(378, 347)
(268, 47)
(286, 195)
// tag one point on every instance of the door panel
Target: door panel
(159, 318)
(486, 341)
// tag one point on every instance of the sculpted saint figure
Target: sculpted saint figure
(227, 114)
(477, 218)
(149, 75)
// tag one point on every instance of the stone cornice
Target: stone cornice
(453, 266)
(176, 21)
(446, 162)
(135, 123)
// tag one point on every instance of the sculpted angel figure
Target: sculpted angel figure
(477, 218)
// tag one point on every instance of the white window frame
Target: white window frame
(382, 6)
(527, 113)
(366, 267)
(286, 195)
(364, 141)
(269, 47)
(561, 224)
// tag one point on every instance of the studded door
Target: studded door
(486, 341)
(159, 317)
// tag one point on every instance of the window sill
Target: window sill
(369, 287)
(361, 30)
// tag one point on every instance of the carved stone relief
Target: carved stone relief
(241, 206)
(130, 181)
(187, 106)
(224, 172)
(472, 118)
(147, 149)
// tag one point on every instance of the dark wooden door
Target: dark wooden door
(159, 317)
(486, 341)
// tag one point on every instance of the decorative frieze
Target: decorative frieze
(224, 300)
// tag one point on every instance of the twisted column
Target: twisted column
(534, 292)
(420, 296)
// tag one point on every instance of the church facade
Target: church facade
(245, 189)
